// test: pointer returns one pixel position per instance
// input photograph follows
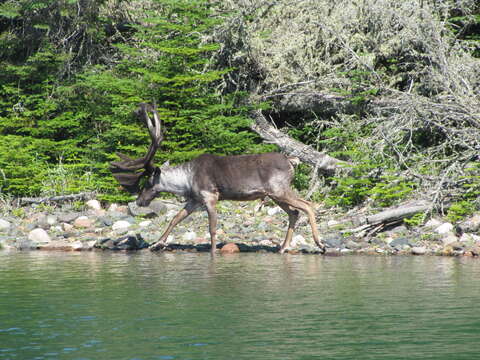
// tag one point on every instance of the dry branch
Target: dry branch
(374, 223)
(323, 162)
(59, 198)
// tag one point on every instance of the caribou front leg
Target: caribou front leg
(210, 200)
(189, 207)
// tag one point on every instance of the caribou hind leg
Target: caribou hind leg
(295, 202)
(292, 221)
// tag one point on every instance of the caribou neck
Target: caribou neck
(176, 180)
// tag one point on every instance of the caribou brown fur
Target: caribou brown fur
(210, 178)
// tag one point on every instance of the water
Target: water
(243, 306)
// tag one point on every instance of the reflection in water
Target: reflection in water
(255, 306)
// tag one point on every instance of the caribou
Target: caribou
(207, 179)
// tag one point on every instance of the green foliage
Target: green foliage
(352, 189)
(416, 220)
(302, 176)
(389, 189)
(459, 210)
(471, 182)
(66, 101)
(364, 181)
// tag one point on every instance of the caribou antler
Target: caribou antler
(126, 171)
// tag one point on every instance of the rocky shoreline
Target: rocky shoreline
(241, 228)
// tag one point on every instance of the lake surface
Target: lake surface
(241, 306)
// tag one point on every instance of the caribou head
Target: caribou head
(129, 172)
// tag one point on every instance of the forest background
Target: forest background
(390, 87)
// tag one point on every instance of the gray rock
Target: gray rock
(46, 221)
(24, 244)
(68, 217)
(299, 241)
(150, 236)
(158, 207)
(471, 225)
(419, 250)
(449, 238)
(350, 244)
(130, 219)
(93, 204)
(4, 225)
(432, 223)
(39, 236)
(155, 208)
(399, 243)
(445, 228)
(105, 221)
(145, 223)
(83, 222)
(117, 215)
(121, 225)
(333, 241)
(273, 210)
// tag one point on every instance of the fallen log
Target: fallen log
(373, 223)
(59, 198)
(398, 213)
(322, 162)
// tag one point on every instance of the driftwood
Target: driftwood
(59, 198)
(372, 224)
(322, 162)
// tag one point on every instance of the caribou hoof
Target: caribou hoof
(157, 246)
(323, 248)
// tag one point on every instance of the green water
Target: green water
(242, 306)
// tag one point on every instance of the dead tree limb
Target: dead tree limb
(398, 213)
(60, 198)
(373, 223)
(323, 162)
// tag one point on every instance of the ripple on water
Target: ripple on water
(256, 306)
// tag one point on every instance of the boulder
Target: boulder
(83, 222)
(273, 210)
(77, 246)
(68, 217)
(39, 236)
(155, 208)
(449, 238)
(298, 241)
(419, 250)
(399, 243)
(471, 225)
(444, 228)
(432, 223)
(145, 223)
(333, 241)
(121, 225)
(4, 225)
(93, 205)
